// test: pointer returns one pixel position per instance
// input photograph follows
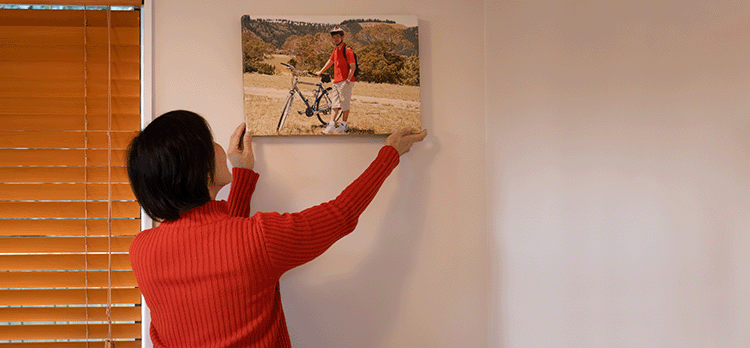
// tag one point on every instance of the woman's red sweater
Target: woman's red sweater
(211, 278)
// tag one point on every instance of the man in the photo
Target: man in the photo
(344, 66)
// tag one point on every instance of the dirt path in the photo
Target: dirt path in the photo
(281, 94)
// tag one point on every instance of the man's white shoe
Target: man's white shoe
(342, 128)
(330, 128)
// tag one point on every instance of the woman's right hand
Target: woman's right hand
(240, 151)
(403, 141)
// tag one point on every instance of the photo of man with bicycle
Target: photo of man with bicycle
(344, 67)
(298, 75)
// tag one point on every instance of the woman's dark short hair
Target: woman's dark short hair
(170, 164)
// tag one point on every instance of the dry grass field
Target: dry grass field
(375, 108)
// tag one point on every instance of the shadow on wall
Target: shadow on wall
(367, 302)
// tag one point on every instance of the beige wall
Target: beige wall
(415, 272)
(603, 200)
(619, 173)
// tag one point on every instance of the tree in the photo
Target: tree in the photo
(310, 52)
(254, 53)
(384, 33)
(409, 74)
(387, 56)
(378, 63)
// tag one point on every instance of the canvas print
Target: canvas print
(330, 75)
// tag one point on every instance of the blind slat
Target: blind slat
(67, 121)
(67, 70)
(63, 262)
(46, 140)
(120, 121)
(50, 297)
(65, 192)
(57, 53)
(81, 2)
(120, 140)
(67, 105)
(61, 174)
(58, 344)
(30, 139)
(62, 227)
(63, 244)
(26, 121)
(68, 18)
(32, 210)
(36, 280)
(58, 88)
(59, 157)
(61, 36)
(52, 332)
(46, 314)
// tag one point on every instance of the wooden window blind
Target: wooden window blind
(69, 104)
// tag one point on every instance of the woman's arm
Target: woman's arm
(294, 239)
(244, 179)
(241, 191)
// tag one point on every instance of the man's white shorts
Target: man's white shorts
(341, 95)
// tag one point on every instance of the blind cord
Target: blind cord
(109, 343)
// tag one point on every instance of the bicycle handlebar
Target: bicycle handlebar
(302, 71)
(295, 71)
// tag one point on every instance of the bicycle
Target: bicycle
(321, 101)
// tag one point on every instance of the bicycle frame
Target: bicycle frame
(320, 104)
(319, 92)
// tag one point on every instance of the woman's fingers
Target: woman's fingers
(235, 141)
(241, 149)
(410, 139)
(402, 140)
(247, 138)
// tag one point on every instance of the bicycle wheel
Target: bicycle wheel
(323, 106)
(285, 111)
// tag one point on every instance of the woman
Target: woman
(208, 272)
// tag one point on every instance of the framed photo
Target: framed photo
(330, 75)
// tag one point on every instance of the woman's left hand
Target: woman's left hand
(240, 151)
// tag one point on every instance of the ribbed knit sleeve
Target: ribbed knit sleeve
(293, 239)
(241, 191)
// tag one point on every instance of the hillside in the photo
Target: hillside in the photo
(277, 31)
